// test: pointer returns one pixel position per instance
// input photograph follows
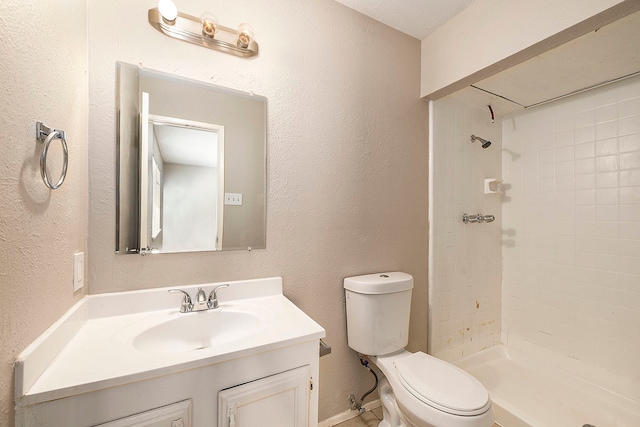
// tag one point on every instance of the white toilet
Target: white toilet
(416, 390)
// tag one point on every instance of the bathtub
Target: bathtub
(528, 393)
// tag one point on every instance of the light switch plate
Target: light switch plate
(233, 199)
(78, 271)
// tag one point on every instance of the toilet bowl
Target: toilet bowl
(428, 392)
(416, 389)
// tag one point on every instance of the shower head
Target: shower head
(485, 143)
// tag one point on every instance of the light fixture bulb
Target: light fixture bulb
(168, 11)
(209, 24)
(245, 35)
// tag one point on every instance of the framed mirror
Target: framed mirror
(191, 165)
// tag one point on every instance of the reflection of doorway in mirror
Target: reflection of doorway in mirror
(156, 197)
(188, 204)
(244, 117)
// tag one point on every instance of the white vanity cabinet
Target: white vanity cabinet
(88, 372)
(280, 384)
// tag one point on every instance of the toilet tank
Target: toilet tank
(378, 308)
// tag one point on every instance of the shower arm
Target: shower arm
(473, 139)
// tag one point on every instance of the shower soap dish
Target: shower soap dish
(492, 186)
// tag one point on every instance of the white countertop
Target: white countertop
(93, 341)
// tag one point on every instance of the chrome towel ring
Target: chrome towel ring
(46, 134)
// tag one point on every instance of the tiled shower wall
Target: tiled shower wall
(465, 260)
(571, 240)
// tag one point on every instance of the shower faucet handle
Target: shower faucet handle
(472, 218)
(479, 218)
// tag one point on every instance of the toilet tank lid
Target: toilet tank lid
(379, 283)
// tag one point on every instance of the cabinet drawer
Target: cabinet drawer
(174, 415)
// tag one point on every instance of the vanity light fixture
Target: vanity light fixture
(204, 31)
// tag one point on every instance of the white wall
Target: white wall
(465, 260)
(572, 254)
(347, 158)
(190, 204)
(43, 77)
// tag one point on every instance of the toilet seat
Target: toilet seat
(442, 385)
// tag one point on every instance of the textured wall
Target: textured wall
(43, 77)
(347, 158)
(465, 259)
(572, 261)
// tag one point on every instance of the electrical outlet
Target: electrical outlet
(78, 271)
(233, 199)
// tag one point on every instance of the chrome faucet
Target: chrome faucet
(201, 303)
(213, 296)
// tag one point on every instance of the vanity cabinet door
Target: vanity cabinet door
(175, 415)
(279, 400)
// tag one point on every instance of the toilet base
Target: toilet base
(390, 412)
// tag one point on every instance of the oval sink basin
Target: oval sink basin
(200, 330)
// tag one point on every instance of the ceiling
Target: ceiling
(187, 146)
(417, 18)
(598, 57)
(609, 53)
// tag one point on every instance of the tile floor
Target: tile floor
(368, 419)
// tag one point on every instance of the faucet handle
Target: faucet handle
(213, 296)
(186, 305)
(489, 218)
